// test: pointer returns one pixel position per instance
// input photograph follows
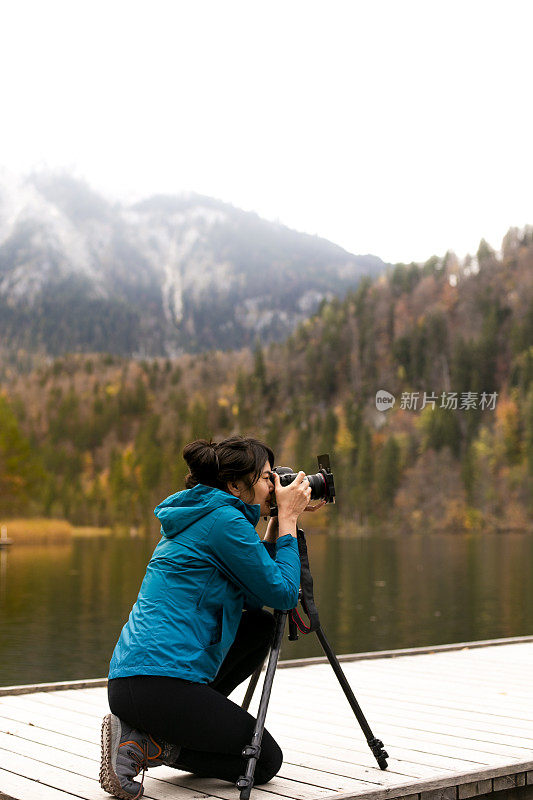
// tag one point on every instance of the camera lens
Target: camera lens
(319, 488)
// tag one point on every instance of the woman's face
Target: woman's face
(259, 494)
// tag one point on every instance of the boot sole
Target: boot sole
(110, 741)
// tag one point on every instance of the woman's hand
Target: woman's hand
(291, 500)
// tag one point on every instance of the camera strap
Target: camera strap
(307, 599)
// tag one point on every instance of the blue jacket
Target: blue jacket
(209, 564)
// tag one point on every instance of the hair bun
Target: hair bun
(202, 460)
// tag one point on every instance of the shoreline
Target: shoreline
(40, 530)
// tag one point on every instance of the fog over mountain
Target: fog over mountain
(165, 275)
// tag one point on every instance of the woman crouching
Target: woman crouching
(188, 642)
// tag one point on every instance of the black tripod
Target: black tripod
(253, 750)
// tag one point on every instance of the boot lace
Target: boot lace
(141, 762)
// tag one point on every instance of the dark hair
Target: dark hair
(235, 458)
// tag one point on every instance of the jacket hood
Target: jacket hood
(184, 508)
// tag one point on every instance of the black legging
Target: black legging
(211, 729)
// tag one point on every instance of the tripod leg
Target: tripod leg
(376, 745)
(251, 688)
(253, 750)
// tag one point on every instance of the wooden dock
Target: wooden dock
(457, 722)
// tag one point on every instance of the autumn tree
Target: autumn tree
(20, 470)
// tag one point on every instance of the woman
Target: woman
(188, 643)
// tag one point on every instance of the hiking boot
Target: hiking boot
(125, 752)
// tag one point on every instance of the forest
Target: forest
(96, 438)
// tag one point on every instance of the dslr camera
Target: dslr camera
(322, 483)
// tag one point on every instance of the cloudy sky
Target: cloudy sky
(396, 128)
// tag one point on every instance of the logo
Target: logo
(384, 400)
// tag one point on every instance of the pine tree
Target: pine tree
(259, 372)
(364, 474)
(329, 431)
(21, 474)
(200, 428)
(468, 474)
(528, 443)
(388, 473)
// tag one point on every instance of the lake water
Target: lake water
(62, 607)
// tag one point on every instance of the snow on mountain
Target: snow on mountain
(168, 274)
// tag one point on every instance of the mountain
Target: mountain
(98, 438)
(166, 275)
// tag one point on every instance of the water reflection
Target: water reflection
(3, 573)
(62, 606)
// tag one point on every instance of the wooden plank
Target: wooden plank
(299, 738)
(332, 762)
(87, 697)
(395, 734)
(412, 651)
(410, 734)
(510, 654)
(86, 785)
(444, 793)
(378, 716)
(426, 721)
(61, 741)
(446, 674)
(499, 695)
(17, 787)
(467, 790)
(333, 692)
(428, 668)
(277, 787)
(425, 694)
(401, 760)
(463, 664)
(49, 775)
(509, 782)
(467, 685)
(510, 658)
(72, 705)
(31, 688)
(347, 726)
(436, 783)
(414, 721)
(14, 709)
(325, 780)
(35, 716)
(86, 735)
